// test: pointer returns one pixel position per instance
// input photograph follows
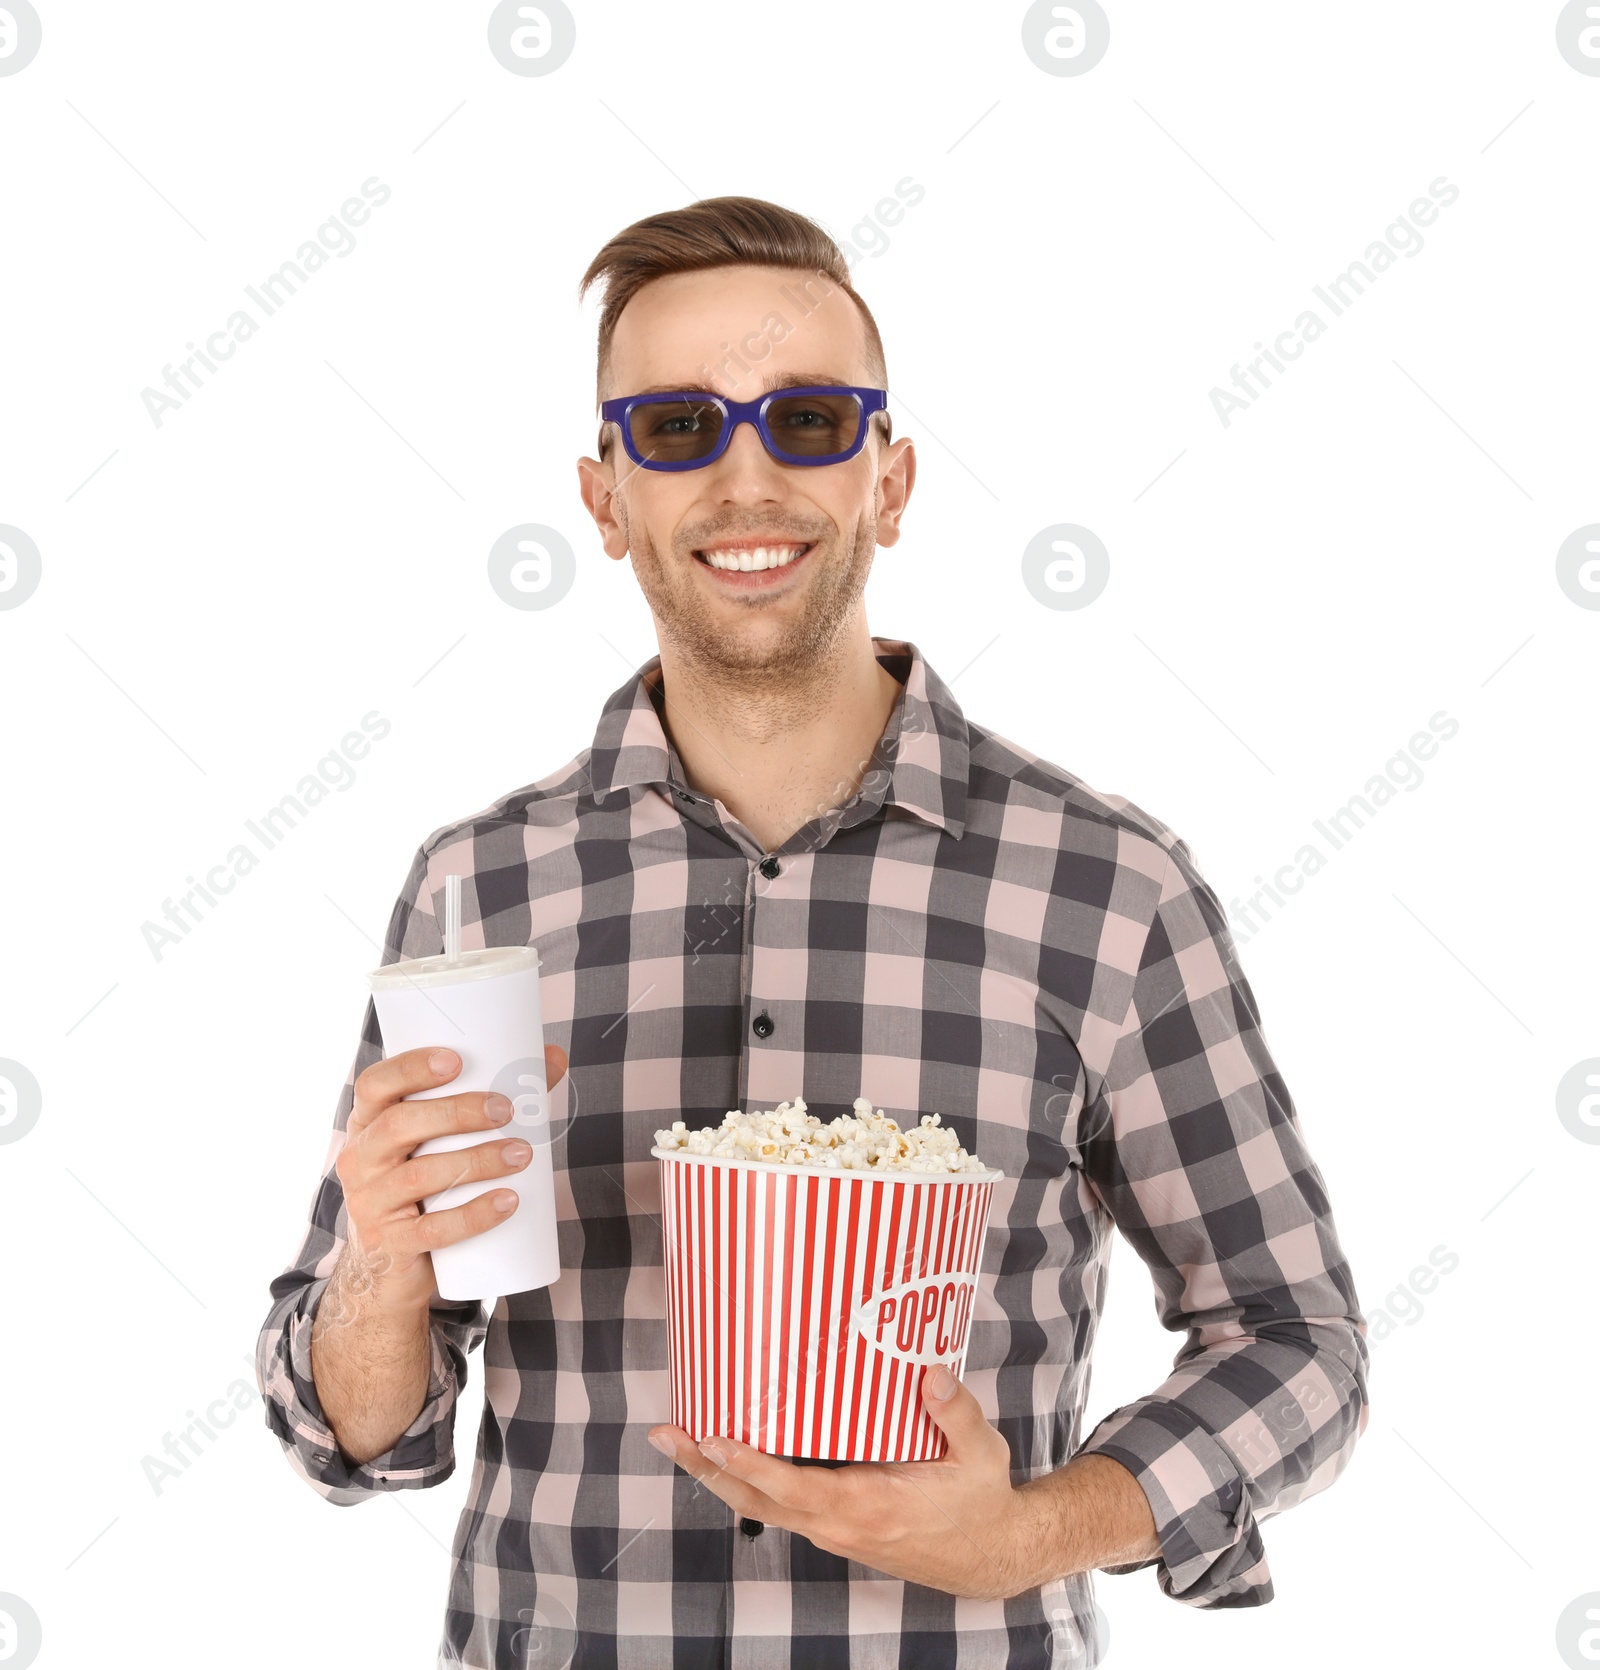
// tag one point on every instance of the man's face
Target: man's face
(739, 332)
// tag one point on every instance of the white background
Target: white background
(1290, 601)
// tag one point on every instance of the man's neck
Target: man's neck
(779, 751)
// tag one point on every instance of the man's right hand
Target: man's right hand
(389, 1236)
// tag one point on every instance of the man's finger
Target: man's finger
(743, 1498)
(958, 1416)
(796, 1490)
(555, 1064)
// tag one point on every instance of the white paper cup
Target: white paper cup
(803, 1303)
(485, 1007)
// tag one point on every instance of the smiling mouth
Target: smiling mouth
(752, 559)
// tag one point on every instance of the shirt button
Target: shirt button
(763, 1025)
(752, 1528)
(769, 868)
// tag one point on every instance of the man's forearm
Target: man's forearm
(1088, 1515)
(369, 1361)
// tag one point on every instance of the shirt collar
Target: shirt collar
(920, 764)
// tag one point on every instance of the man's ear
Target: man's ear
(897, 475)
(597, 486)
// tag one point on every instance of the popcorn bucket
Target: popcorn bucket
(804, 1303)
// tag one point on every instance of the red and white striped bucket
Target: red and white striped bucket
(803, 1304)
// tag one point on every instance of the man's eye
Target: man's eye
(806, 419)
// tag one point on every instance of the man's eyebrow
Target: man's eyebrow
(802, 379)
(673, 388)
(785, 380)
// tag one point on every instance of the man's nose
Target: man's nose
(746, 470)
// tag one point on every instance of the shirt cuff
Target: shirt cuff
(1211, 1549)
(423, 1455)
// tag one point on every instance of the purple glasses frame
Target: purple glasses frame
(735, 412)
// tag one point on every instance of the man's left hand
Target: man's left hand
(958, 1524)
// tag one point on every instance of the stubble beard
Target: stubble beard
(807, 644)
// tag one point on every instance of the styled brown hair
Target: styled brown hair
(716, 232)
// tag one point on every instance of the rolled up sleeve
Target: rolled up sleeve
(424, 1454)
(1194, 1147)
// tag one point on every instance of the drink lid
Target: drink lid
(485, 964)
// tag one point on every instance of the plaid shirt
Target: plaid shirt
(976, 932)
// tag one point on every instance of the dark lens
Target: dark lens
(814, 425)
(675, 431)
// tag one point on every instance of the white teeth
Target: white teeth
(753, 560)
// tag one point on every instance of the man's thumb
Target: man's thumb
(954, 1409)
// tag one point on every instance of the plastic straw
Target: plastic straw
(452, 918)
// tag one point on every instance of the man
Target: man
(789, 865)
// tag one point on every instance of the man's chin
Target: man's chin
(726, 627)
(747, 649)
(730, 640)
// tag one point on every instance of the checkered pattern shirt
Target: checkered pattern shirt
(974, 932)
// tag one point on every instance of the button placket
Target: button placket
(762, 1026)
